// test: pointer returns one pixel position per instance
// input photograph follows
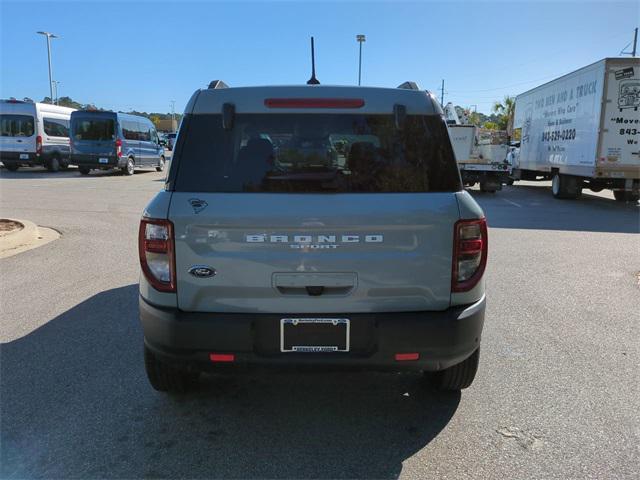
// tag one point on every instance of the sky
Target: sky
(142, 55)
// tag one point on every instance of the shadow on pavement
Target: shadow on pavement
(76, 404)
(533, 207)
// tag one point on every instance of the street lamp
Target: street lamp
(49, 37)
(361, 39)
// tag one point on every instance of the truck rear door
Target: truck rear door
(619, 152)
(300, 213)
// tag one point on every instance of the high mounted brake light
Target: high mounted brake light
(314, 103)
(157, 255)
(469, 254)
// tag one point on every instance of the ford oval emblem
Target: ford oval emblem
(202, 271)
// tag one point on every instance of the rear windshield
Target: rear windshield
(314, 153)
(87, 128)
(16, 125)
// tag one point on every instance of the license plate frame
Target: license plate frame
(103, 160)
(317, 327)
(24, 156)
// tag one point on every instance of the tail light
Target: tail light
(469, 254)
(157, 257)
(38, 145)
(118, 147)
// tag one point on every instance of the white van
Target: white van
(34, 134)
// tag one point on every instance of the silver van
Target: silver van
(34, 134)
(312, 225)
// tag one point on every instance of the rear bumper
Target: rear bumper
(93, 161)
(441, 338)
(14, 158)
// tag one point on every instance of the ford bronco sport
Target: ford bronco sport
(312, 225)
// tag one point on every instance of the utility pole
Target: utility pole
(49, 37)
(360, 39)
(173, 114)
(442, 94)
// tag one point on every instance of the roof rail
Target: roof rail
(409, 86)
(215, 84)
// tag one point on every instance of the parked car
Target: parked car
(171, 140)
(34, 134)
(370, 255)
(106, 140)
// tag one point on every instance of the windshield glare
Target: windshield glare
(313, 153)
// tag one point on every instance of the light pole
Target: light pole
(49, 37)
(361, 39)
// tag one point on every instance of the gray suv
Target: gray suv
(312, 225)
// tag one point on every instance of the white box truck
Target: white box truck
(582, 130)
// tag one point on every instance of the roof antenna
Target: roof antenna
(313, 80)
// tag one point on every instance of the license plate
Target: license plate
(314, 335)
(24, 156)
(103, 160)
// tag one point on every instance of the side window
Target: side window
(129, 130)
(144, 132)
(55, 127)
(153, 134)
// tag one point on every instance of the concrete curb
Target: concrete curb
(31, 236)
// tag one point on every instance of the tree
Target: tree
(491, 126)
(504, 110)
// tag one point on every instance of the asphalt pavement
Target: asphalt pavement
(557, 393)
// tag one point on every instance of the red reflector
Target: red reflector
(314, 102)
(156, 246)
(401, 357)
(470, 246)
(222, 357)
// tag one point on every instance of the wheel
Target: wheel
(166, 378)
(64, 164)
(129, 168)
(625, 196)
(565, 186)
(84, 170)
(12, 167)
(485, 189)
(160, 167)
(53, 165)
(458, 376)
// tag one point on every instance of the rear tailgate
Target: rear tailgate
(93, 137)
(366, 252)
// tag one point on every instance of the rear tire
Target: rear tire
(166, 378)
(565, 186)
(84, 170)
(160, 167)
(53, 165)
(129, 168)
(623, 196)
(485, 189)
(458, 376)
(12, 167)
